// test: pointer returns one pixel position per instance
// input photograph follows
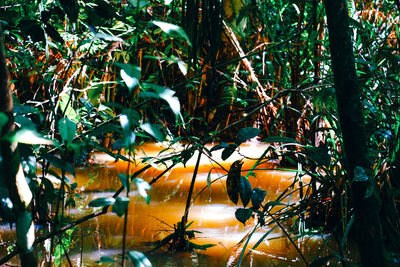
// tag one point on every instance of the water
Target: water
(212, 214)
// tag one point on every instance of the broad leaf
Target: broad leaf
(172, 30)
(245, 191)
(166, 94)
(227, 152)
(242, 215)
(257, 197)
(233, 181)
(67, 130)
(120, 205)
(130, 74)
(71, 8)
(246, 134)
(153, 131)
(31, 137)
(124, 180)
(102, 202)
(105, 259)
(219, 146)
(59, 163)
(25, 231)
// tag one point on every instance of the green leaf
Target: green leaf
(319, 155)
(139, 259)
(242, 215)
(246, 134)
(257, 197)
(245, 191)
(67, 130)
(66, 105)
(31, 137)
(172, 30)
(102, 202)
(3, 120)
(130, 74)
(153, 131)
(142, 186)
(59, 163)
(228, 151)
(71, 8)
(164, 93)
(124, 180)
(139, 3)
(53, 33)
(120, 205)
(219, 146)
(233, 181)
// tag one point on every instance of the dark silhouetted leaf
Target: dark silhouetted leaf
(59, 163)
(53, 33)
(246, 134)
(319, 155)
(227, 152)
(120, 205)
(233, 181)
(219, 146)
(70, 7)
(32, 28)
(102, 202)
(242, 215)
(257, 197)
(245, 191)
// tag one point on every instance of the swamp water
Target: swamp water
(212, 213)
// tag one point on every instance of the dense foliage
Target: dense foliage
(109, 75)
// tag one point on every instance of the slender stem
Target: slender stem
(126, 213)
(188, 201)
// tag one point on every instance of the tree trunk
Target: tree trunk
(366, 208)
(17, 186)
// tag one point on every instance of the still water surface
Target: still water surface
(212, 213)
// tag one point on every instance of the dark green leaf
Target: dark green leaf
(319, 155)
(246, 133)
(102, 202)
(53, 33)
(245, 191)
(67, 129)
(139, 259)
(71, 8)
(32, 28)
(233, 181)
(124, 180)
(242, 215)
(164, 93)
(59, 163)
(25, 237)
(120, 206)
(227, 152)
(219, 146)
(153, 131)
(257, 197)
(130, 74)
